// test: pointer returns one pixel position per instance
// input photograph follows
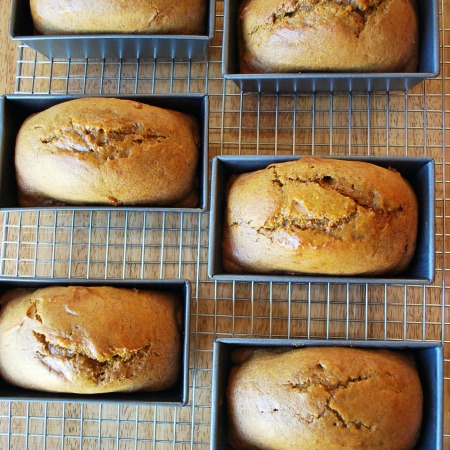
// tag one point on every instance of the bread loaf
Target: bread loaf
(320, 216)
(90, 340)
(324, 398)
(107, 151)
(328, 36)
(119, 16)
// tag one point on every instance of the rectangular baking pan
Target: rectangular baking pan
(177, 396)
(428, 356)
(334, 82)
(110, 45)
(15, 108)
(418, 171)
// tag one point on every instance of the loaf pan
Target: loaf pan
(429, 359)
(176, 396)
(110, 45)
(334, 82)
(418, 171)
(15, 108)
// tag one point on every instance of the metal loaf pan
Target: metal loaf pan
(428, 356)
(176, 396)
(334, 82)
(418, 171)
(110, 45)
(15, 108)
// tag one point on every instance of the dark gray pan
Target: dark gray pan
(176, 396)
(418, 171)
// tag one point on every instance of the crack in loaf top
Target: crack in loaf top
(103, 132)
(322, 195)
(309, 13)
(115, 138)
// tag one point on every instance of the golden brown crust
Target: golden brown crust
(90, 340)
(328, 36)
(320, 216)
(119, 16)
(107, 151)
(324, 398)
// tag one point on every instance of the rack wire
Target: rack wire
(138, 245)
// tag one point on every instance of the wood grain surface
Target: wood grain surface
(135, 245)
(8, 51)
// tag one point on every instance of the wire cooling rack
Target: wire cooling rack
(123, 244)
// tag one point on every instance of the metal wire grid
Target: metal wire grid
(135, 245)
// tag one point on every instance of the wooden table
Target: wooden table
(8, 51)
(136, 245)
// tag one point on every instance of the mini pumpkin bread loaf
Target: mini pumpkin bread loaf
(324, 398)
(328, 36)
(119, 16)
(90, 340)
(107, 151)
(320, 216)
